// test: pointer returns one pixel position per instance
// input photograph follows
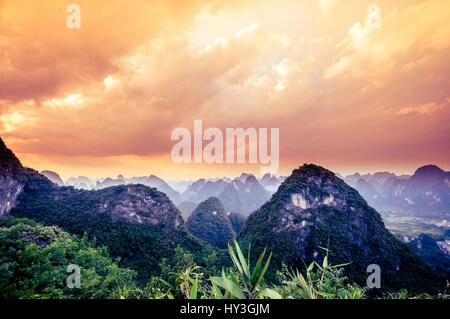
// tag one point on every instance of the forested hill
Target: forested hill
(313, 208)
(210, 223)
(138, 224)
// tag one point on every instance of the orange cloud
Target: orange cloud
(343, 95)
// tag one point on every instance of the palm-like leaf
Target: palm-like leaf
(229, 286)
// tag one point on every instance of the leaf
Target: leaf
(270, 293)
(326, 294)
(339, 266)
(165, 282)
(257, 268)
(261, 276)
(217, 293)
(318, 266)
(234, 259)
(229, 286)
(307, 292)
(248, 255)
(326, 249)
(325, 262)
(193, 294)
(242, 259)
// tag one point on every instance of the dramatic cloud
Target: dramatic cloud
(344, 94)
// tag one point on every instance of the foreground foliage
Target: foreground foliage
(34, 260)
(241, 281)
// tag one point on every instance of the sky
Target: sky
(345, 92)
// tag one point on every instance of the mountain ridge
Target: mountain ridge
(138, 223)
(313, 208)
(426, 192)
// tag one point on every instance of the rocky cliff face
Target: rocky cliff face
(11, 180)
(10, 189)
(138, 204)
(42, 200)
(313, 208)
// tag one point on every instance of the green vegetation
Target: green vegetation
(139, 246)
(353, 231)
(426, 247)
(154, 256)
(237, 221)
(34, 262)
(241, 281)
(246, 283)
(210, 223)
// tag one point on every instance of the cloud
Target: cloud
(160, 87)
(115, 89)
(41, 57)
(412, 30)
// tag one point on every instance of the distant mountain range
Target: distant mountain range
(426, 191)
(241, 195)
(310, 209)
(82, 182)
